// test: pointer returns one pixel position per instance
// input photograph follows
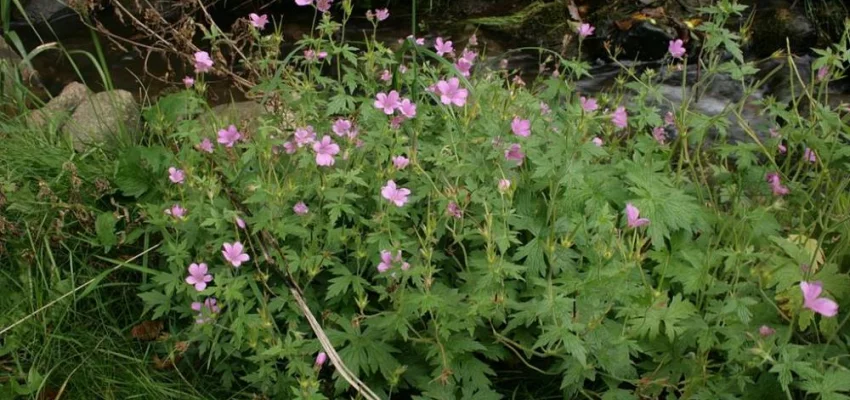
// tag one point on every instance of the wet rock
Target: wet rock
(109, 118)
(58, 109)
(646, 40)
(46, 17)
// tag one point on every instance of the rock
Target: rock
(10, 65)
(110, 117)
(48, 17)
(59, 108)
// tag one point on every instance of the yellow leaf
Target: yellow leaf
(811, 246)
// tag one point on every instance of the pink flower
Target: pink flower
(400, 162)
(473, 40)
(382, 14)
(588, 105)
(189, 81)
(203, 62)
(205, 145)
(823, 72)
(597, 141)
(450, 92)
(813, 301)
(321, 359)
(521, 127)
(766, 331)
(810, 155)
(669, 119)
(518, 81)
(289, 147)
(782, 148)
(676, 48)
(443, 47)
(235, 254)
(407, 108)
(205, 310)
(659, 135)
(402, 69)
(258, 21)
(395, 123)
(228, 137)
(387, 261)
(394, 194)
(773, 131)
(324, 5)
(176, 211)
(620, 118)
(544, 109)
(176, 175)
(504, 185)
(300, 208)
(633, 217)
(386, 75)
(463, 66)
(240, 223)
(341, 127)
(387, 102)
(585, 30)
(454, 210)
(514, 153)
(198, 276)
(325, 151)
(304, 136)
(303, 2)
(776, 185)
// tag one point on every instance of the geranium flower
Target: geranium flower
(176, 175)
(443, 47)
(206, 145)
(588, 104)
(407, 108)
(258, 21)
(198, 276)
(176, 211)
(305, 136)
(813, 301)
(514, 153)
(585, 30)
(776, 185)
(620, 118)
(300, 208)
(228, 137)
(676, 48)
(450, 92)
(633, 217)
(521, 127)
(400, 162)
(394, 194)
(203, 62)
(235, 254)
(325, 151)
(206, 310)
(387, 102)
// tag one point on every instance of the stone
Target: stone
(10, 65)
(245, 115)
(107, 118)
(58, 109)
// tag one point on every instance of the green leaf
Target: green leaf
(105, 229)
